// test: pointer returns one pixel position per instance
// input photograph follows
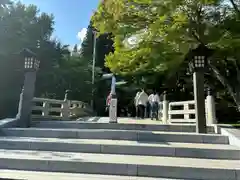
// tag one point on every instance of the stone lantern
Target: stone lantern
(198, 64)
(31, 65)
(31, 62)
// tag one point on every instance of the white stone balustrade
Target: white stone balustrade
(180, 112)
(58, 109)
(184, 111)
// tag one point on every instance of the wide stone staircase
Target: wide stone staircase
(83, 150)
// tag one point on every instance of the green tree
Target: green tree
(104, 45)
(75, 50)
(155, 36)
(20, 27)
(87, 45)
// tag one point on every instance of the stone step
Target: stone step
(134, 135)
(171, 149)
(123, 126)
(129, 165)
(36, 175)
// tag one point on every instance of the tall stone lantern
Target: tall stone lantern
(198, 65)
(31, 65)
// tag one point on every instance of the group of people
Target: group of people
(147, 104)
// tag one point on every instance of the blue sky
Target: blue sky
(71, 17)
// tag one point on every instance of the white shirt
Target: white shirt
(153, 98)
(142, 99)
(135, 99)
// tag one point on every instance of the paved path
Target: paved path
(121, 120)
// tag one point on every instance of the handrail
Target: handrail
(58, 109)
(181, 111)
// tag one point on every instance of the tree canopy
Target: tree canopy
(155, 36)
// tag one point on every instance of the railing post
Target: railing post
(186, 108)
(20, 105)
(113, 102)
(45, 111)
(113, 109)
(165, 108)
(210, 108)
(66, 106)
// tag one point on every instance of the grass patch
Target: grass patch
(236, 125)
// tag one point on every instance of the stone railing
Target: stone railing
(181, 112)
(184, 111)
(59, 109)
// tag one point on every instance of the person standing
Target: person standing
(108, 101)
(154, 101)
(141, 103)
(135, 104)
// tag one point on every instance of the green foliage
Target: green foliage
(103, 46)
(161, 29)
(88, 45)
(20, 27)
(74, 74)
(155, 36)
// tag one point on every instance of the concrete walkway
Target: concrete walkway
(121, 120)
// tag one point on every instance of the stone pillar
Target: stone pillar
(45, 112)
(210, 107)
(27, 96)
(66, 106)
(113, 102)
(186, 108)
(198, 84)
(66, 95)
(113, 109)
(165, 108)
(20, 105)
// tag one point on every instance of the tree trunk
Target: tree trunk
(225, 83)
(235, 8)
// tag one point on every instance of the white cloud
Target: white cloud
(81, 34)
